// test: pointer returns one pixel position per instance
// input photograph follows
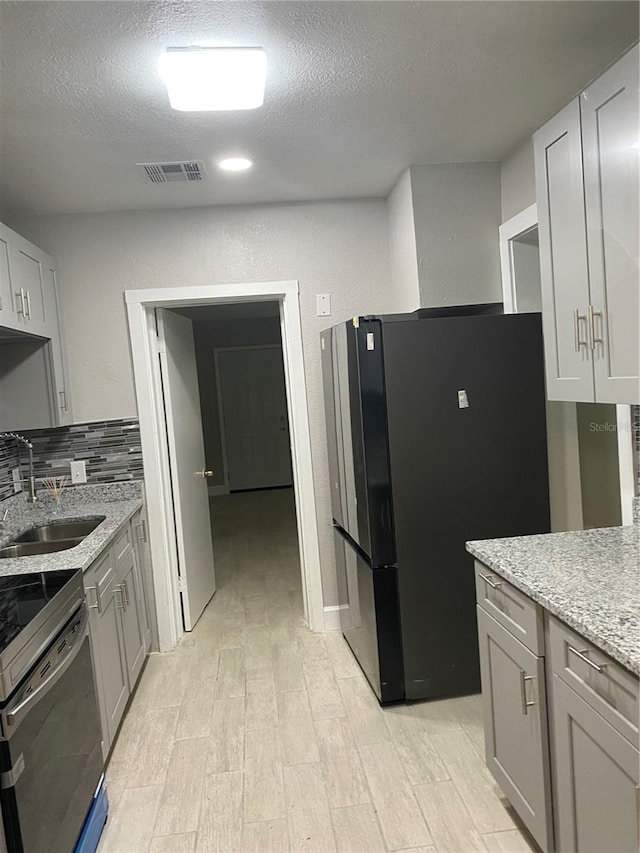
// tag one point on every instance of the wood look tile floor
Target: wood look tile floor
(257, 735)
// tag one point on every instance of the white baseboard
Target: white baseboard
(336, 617)
(216, 491)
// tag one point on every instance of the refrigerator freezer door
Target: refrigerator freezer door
(374, 637)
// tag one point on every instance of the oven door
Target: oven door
(51, 760)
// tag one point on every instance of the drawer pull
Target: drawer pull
(583, 657)
(98, 605)
(490, 581)
(523, 692)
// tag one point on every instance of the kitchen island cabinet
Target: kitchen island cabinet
(562, 647)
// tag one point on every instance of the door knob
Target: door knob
(204, 473)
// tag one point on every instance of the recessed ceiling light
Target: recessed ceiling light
(235, 164)
(214, 78)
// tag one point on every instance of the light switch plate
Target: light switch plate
(78, 471)
(323, 305)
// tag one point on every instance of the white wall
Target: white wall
(339, 248)
(403, 252)
(457, 211)
(517, 180)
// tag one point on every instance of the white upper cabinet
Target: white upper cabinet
(610, 130)
(564, 272)
(34, 388)
(587, 195)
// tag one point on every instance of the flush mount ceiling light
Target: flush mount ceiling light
(214, 78)
(235, 164)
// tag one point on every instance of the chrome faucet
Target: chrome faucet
(32, 480)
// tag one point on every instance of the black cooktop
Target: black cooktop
(22, 597)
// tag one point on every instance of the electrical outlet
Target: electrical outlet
(17, 480)
(78, 471)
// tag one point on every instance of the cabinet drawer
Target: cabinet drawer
(122, 545)
(514, 610)
(608, 687)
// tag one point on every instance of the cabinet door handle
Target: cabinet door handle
(582, 654)
(63, 400)
(593, 340)
(125, 587)
(98, 605)
(142, 530)
(27, 299)
(577, 343)
(490, 581)
(523, 692)
(121, 603)
(20, 296)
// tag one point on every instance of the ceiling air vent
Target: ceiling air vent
(164, 173)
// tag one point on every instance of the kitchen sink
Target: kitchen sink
(58, 530)
(30, 549)
(48, 538)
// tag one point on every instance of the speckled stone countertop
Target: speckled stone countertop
(589, 579)
(636, 510)
(117, 502)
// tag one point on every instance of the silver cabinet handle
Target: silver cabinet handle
(490, 581)
(577, 343)
(125, 587)
(27, 298)
(582, 654)
(142, 530)
(523, 692)
(119, 592)
(20, 296)
(98, 605)
(593, 340)
(63, 400)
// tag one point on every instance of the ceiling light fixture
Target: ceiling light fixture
(235, 164)
(214, 78)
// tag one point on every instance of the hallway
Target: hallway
(257, 735)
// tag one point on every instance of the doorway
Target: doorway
(164, 522)
(590, 470)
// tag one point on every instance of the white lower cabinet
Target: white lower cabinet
(561, 725)
(516, 743)
(596, 779)
(118, 639)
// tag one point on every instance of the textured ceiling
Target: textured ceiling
(356, 91)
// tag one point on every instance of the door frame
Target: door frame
(509, 231)
(141, 305)
(224, 489)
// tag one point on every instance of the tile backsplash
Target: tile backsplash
(111, 450)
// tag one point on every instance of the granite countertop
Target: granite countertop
(589, 579)
(118, 502)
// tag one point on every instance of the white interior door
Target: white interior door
(254, 410)
(187, 463)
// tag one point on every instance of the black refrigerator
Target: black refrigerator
(436, 434)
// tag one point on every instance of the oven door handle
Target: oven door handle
(15, 713)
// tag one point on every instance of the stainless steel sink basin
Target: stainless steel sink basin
(58, 530)
(29, 549)
(47, 538)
